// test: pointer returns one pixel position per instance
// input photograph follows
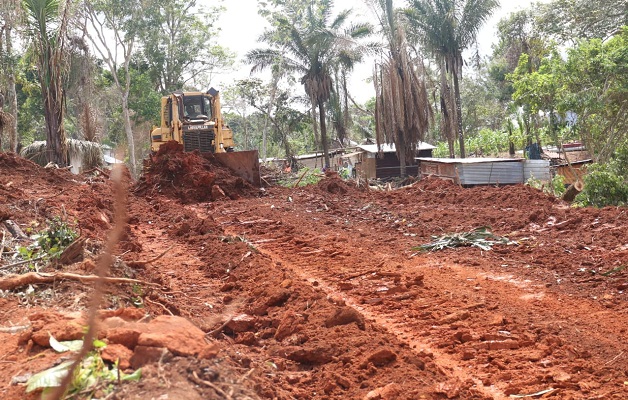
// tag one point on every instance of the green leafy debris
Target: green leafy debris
(49, 378)
(61, 347)
(614, 271)
(481, 237)
(92, 374)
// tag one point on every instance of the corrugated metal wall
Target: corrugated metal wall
(539, 169)
(487, 172)
(490, 173)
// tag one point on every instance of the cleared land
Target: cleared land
(317, 292)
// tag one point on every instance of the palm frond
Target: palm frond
(340, 19)
(90, 153)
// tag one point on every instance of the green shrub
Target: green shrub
(48, 243)
(603, 187)
(57, 237)
(607, 184)
(556, 187)
(310, 178)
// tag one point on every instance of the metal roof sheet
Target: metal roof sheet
(111, 160)
(469, 160)
(390, 148)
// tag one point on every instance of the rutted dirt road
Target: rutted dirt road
(496, 322)
(317, 292)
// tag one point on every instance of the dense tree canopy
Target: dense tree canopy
(95, 70)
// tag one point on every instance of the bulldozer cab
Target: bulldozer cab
(197, 107)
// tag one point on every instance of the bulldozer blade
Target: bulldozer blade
(244, 163)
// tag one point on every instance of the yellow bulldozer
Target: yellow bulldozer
(194, 119)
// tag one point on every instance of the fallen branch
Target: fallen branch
(481, 237)
(14, 229)
(14, 281)
(22, 262)
(158, 304)
(299, 181)
(98, 170)
(353, 276)
(152, 260)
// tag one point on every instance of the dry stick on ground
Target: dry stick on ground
(299, 181)
(22, 262)
(371, 271)
(2, 244)
(218, 330)
(14, 281)
(97, 169)
(14, 329)
(152, 260)
(102, 268)
(146, 299)
(218, 390)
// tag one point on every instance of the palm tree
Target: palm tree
(310, 47)
(89, 153)
(47, 23)
(402, 107)
(446, 28)
(10, 17)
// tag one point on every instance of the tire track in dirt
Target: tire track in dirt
(501, 333)
(400, 329)
(345, 370)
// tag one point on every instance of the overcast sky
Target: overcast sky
(241, 26)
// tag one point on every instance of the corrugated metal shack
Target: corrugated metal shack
(373, 165)
(485, 171)
(317, 160)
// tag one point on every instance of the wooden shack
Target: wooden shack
(485, 171)
(371, 163)
(575, 173)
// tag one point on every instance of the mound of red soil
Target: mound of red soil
(333, 184)
(434, 190)
(32, 195)
(190, 177)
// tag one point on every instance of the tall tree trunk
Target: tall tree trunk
(11, 93)
(246, 131)
(55, 132)
(321, 112)
(402, 155)
(273, 93)
(447, 121)
(454, 71)
(317, 142)
(129, 132)
(286, 145)
(511, 143)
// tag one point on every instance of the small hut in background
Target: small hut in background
(485, 171)
(82, 155)
(370, 164)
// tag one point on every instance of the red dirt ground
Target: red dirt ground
(316, 292)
